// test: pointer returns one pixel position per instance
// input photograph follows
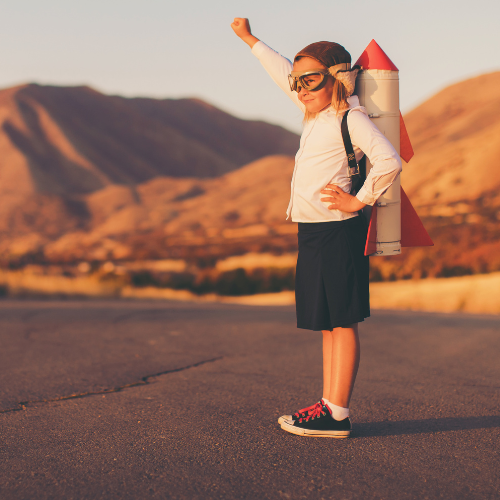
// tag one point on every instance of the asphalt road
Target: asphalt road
(178, 400)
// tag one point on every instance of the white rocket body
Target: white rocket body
(378, 92)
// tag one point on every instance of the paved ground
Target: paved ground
(206, 384)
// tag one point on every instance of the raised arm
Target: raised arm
(241, 26)
(276, 65)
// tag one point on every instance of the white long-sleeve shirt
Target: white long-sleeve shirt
(321, 158)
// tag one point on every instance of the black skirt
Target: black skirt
(332, 278)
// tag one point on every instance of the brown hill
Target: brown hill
(455, 135)
(451, 181)
(59, 143)
(72, 140)
(189, 218)
(454, 181)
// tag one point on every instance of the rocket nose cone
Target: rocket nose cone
(374, 57)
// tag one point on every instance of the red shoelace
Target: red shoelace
(315, 412)
(309, 409)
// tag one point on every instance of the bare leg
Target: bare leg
(327, 363)
(342, 365)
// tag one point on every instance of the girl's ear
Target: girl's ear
(348, 79)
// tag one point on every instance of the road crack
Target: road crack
(144, 381)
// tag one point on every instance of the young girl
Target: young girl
(331, 286)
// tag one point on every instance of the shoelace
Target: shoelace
(316, 412)
(313, 414)
(302, 413)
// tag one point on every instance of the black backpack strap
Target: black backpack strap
(351, 158)
(356, 172)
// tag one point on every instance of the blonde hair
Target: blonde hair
(339, 97)
(339, 100)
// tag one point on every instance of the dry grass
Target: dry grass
(478, 294)
(257, 260)
(471, 294)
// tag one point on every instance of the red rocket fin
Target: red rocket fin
(374, 57)
(413, 233)
(371, 240)
(406, 149)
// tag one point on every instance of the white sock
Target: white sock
(338, 412)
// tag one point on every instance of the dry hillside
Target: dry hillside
(58, 145)
(54, 157)
(186, 218)
(455, 135)
(73, 140)
(454, 181)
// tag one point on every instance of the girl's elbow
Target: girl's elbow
(398, 165)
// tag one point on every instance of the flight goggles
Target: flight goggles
(308, 80)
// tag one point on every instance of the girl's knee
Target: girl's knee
(343, 329)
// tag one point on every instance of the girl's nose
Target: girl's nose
(302, 90)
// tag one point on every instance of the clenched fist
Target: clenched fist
(241, 26)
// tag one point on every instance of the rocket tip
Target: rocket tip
(373, 57)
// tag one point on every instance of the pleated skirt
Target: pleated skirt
(332, 277)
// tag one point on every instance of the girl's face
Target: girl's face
(314, 101)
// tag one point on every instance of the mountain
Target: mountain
(455, 135)
(196, 219)
(60, 144)
(75, 140)
(452, 182)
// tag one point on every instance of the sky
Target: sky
(177, 49)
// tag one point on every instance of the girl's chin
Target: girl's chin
(312, 108)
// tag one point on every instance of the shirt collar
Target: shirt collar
(353, 101)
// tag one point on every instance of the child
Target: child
(331, 285)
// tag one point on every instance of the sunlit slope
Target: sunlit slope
(455, 135)
(73, 140)
(179, 217)
(75, 187)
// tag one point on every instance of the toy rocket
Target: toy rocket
(393, 221)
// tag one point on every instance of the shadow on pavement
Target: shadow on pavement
(395, 428)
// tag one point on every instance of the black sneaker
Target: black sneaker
(319, 423)
(300, 413)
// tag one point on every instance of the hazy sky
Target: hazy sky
(187, 49)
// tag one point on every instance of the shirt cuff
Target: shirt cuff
(365, 197)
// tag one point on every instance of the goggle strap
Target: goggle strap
(333, 70)
(296, 74)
